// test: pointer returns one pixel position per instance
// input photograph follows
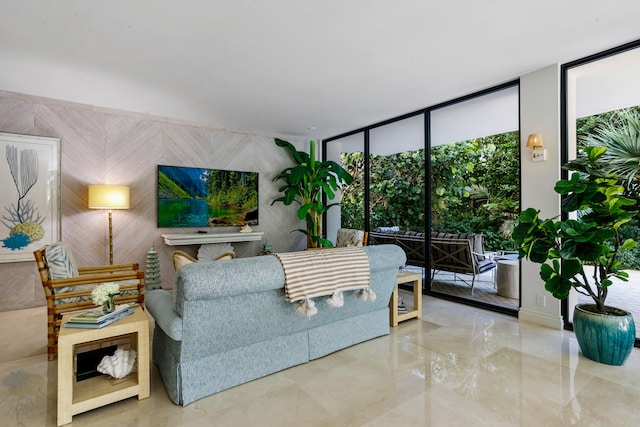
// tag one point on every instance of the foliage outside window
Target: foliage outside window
(396, 193)
(475, 188)
(619, 131)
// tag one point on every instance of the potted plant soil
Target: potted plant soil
(583, 253)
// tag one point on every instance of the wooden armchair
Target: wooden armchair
(68, 288)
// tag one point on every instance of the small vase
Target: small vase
(110, 304)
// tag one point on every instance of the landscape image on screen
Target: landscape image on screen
(197, 197)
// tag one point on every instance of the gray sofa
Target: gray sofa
(227, 322)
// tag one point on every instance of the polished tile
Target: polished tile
(458, 366)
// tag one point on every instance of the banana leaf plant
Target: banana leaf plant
(305, 183)
(565, 247)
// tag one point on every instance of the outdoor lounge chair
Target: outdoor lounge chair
(456, 256)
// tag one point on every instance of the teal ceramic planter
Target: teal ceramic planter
(605, 338)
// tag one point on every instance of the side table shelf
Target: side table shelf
(416, 312)
(74, 396)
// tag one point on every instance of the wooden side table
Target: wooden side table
(74, 396)
(406, 277)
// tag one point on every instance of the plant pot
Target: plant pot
(605, 338)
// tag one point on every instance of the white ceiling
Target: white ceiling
(284, 67)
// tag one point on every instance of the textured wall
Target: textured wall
(106, 146)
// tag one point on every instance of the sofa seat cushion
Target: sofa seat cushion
(486, 265)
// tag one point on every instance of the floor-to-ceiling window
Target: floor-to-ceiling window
(348, 151)
(397, 175)
(475, 187)
(387, 163)
(469, 175)
(598, 92)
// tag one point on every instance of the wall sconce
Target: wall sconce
(109, 197)
(538, 153)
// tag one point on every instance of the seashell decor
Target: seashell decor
(213, 251)
(119, 365)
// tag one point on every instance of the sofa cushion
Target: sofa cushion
(180, 259)
(391, 229)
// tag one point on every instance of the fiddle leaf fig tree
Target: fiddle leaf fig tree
(305, 183)
(590, 239)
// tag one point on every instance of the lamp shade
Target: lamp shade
(102, 196)
(535, 141)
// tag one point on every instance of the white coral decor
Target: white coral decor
(104, 292)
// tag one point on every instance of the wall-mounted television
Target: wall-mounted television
(198, 197)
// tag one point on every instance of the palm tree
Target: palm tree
(620, 135)
(616, 136)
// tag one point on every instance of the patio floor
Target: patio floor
(624, 295)
(484, 289)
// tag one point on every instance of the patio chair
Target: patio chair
(68, 288)
(411, 242)
(350, 237)
(456, 256)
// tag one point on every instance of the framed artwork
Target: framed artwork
(29, 195)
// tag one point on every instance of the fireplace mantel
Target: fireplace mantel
(204, 238)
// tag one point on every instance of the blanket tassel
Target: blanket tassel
(367, 294)
(307, 308)
(336, 299)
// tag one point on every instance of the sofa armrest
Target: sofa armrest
(159, 304)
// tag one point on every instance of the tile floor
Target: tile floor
(459, 366)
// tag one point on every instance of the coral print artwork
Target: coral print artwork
(22, 218)
(29, 195)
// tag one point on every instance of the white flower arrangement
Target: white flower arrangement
(104, 292)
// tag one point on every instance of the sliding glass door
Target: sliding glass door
(453, 168)
(602, 94)
(475, 189)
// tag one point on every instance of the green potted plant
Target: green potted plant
(568, 249)
(305, 183)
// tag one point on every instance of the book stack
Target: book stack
(96, 318)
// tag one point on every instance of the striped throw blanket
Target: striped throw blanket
(326, 272)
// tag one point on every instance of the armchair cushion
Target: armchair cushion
(62, 264)
(349, 237)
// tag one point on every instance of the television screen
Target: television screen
(196, 197)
